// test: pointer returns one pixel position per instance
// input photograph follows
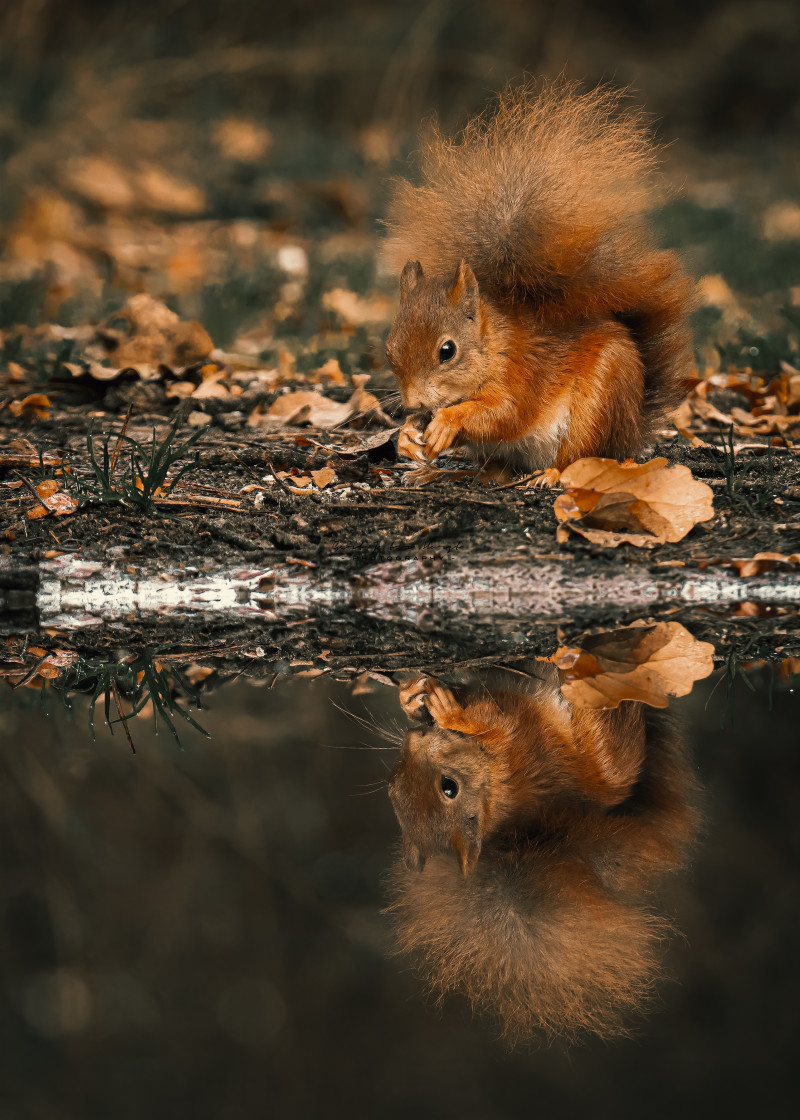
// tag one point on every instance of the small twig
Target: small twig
(223, 533)
(118, 447)
(519, 481)
(123, 718)
(29, 676)
(30, 487)
(280, 481)
(413, 537)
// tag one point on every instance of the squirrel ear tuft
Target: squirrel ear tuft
(467, 851)
(464, 289)
(410, 277)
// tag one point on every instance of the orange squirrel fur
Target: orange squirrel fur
(561, 823)
(538, 322)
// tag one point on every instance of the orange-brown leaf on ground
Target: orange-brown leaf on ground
(304, 406)
(56, 661)
(36, 406)
(211, 384)
(155, 335)
(323, 477)
(54, 501)
(644, 504)
(787, 388)
(358, 310)
(638, 662)
(195, 673)
(763, 561)
(311, 407)
(241, 139)
(329, 371)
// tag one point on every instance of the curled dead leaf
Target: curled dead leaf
(36, 406)
(306, 406)
(155, 335)
(311, 407)
(358, 310)
(54, 501)
(643, 504)
(329, 371)
(645, 663)
(763, 561)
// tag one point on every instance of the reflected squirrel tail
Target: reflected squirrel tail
(529, 939)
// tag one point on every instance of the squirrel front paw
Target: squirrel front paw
(410, 442)
(444, 709)
(412, 694)
(443, 429)
(546, 479)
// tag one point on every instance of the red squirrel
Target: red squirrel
(533, 834)
(538, 322)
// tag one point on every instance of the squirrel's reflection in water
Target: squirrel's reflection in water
(534, 833)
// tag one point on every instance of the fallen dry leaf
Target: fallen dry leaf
(358, 310)
(195, 673)
(763, 561)
(56, 661)
(329, 371)
(155, 336)
(349, 444)
(645, 663)
(212, 385)
(307, 406)
(323, 477)
(54, 501)
(241, 139)
(36, 406)
(642, 504)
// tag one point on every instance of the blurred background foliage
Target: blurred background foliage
(174, 147)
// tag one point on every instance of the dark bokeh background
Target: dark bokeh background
(199, 934)
(172, 147)
(712, 68)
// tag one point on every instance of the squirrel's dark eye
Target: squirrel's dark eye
(449, 787)
(447, 351)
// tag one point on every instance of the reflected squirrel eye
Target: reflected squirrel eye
(449, 787)
(447, 351)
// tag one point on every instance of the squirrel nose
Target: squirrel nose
(411, 400)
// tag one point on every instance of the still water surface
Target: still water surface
(202, 932)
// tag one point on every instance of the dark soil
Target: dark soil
(368, 518)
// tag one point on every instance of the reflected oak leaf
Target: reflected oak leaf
(645, 663)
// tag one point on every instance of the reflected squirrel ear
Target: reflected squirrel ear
(412, 856)
(410, 277)
(464, 289)
(467, 851)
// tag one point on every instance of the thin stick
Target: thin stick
(123, 718)
(115, 456)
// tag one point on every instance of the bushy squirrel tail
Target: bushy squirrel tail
(545, 195)
(529, 940)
